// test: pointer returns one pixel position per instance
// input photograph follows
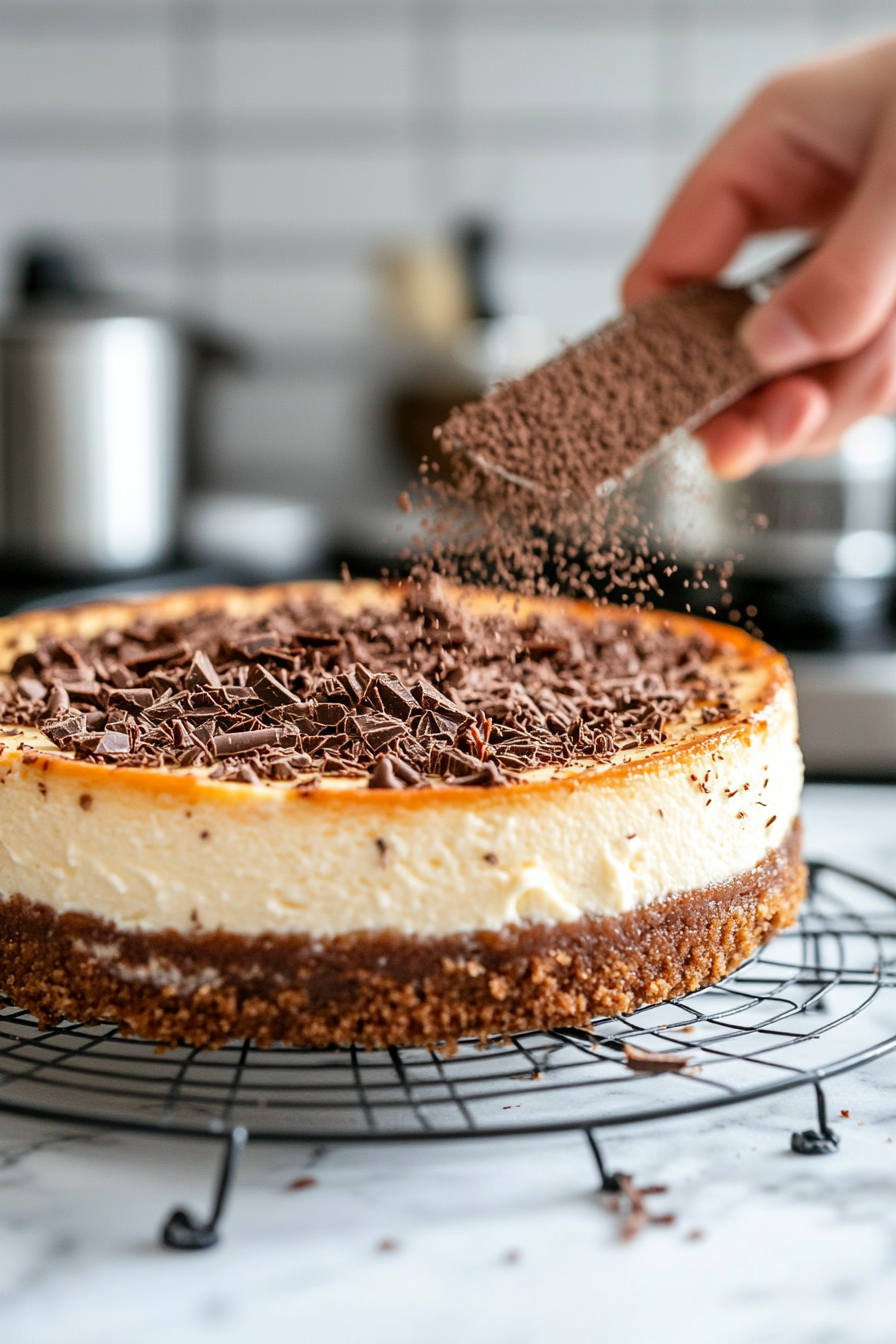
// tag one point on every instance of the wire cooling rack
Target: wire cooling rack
(792, 1016)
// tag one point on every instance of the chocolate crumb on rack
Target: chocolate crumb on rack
(407, 696)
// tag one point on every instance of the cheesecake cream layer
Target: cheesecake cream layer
(171, 849)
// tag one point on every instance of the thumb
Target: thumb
(842, 296)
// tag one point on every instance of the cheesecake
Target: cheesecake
(377, 814)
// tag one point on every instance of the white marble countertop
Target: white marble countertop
(503, 1242)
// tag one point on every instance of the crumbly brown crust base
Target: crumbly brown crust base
(383, 988)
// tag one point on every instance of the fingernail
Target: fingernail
(775, 339)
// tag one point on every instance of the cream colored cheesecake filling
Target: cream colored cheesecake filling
(187, 852)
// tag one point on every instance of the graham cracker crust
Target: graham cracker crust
(377, 989)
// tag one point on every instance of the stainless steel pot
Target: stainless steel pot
(91, 418)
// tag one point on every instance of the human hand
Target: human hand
(814, 149)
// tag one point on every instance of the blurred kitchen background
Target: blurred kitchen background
(307, 227)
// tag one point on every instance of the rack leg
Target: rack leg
(815, 1142)
(183, 1231)
(609, 1181)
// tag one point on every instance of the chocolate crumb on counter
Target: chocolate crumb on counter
(403, 697)
(631, 1204)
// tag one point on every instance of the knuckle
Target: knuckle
(771, 95)
(838, 307)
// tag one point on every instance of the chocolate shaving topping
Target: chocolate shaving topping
(270, 689)
(401, 696)
(240, 744)
(383, 775)
(135, 700)
(164, 653)
(202, 671)
(32, 689)
(113, 744)
(57, 701)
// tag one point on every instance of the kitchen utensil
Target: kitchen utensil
(91, 393)
(601, 406)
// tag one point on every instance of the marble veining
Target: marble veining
(483, 1242)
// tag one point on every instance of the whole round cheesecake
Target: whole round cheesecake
(362, 813)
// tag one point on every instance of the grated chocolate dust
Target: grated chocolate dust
(523, 493)
(407, 697)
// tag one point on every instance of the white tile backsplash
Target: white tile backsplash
(304, 434)
(145, 279)
(304, 191)
(48, 76)
(304, 302)
(840, 23)
(561, 188)
(727, 62)
(77, 192)
(543, 67)
(249, 155)
(315, 73)
(571, 297)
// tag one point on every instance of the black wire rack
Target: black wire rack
(793, 1016)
